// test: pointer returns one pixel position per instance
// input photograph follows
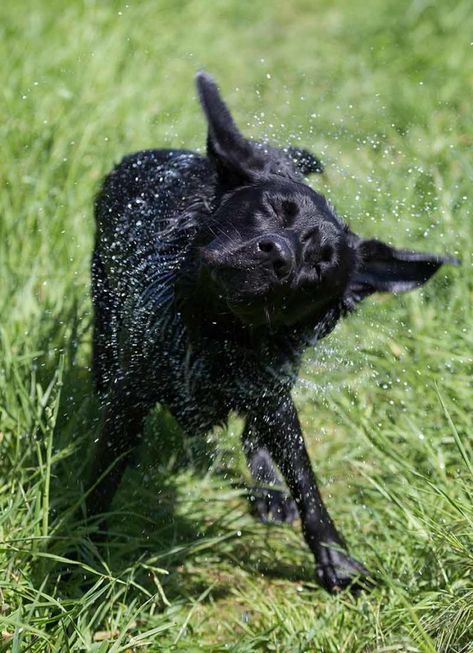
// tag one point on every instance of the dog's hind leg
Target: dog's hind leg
(121, 430)
(104, 357)
(269, 498)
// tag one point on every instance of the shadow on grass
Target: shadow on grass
(148, 528)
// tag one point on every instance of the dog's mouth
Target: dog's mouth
(261, 314)
(265, 283)
(273, 306)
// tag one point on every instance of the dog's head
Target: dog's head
(273, 249)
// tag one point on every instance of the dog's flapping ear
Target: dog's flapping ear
(382, 268)
(237, 162)
(304, 161)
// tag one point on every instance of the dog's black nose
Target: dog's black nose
(277, 253)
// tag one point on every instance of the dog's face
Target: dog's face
(274, 250)
(277, 252)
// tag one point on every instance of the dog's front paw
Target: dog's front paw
(337, 571)
(273, 505)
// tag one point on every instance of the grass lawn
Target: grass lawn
(383, 91)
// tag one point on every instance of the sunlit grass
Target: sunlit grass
(383, 91)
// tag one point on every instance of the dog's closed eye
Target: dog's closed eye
(310, 235)
(289, 211)
(285, 211)
(326, 253)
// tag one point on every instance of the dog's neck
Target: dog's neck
(208, 317)
(206, 313)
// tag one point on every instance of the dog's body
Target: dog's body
(159, 199)
(205, 299)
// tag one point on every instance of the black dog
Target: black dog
(211, 275)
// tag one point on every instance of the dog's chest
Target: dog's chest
(201, 380)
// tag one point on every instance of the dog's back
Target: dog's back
(144, 224)
(142, 205)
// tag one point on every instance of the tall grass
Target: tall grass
(383, 91)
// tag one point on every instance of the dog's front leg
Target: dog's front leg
(269, 498)
(279, 431)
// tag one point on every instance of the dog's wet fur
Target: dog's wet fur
(210, 276)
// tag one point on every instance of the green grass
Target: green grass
(383, 90)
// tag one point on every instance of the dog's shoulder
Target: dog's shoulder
(149, 200)
(150, 171)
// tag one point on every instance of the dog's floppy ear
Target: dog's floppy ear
(382, 268)
(236, 161)
(306, 162)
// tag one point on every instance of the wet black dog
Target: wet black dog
(211, 275)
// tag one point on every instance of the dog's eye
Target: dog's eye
(310, 235)
(289, 210)
(285, 211)
(326, 254)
